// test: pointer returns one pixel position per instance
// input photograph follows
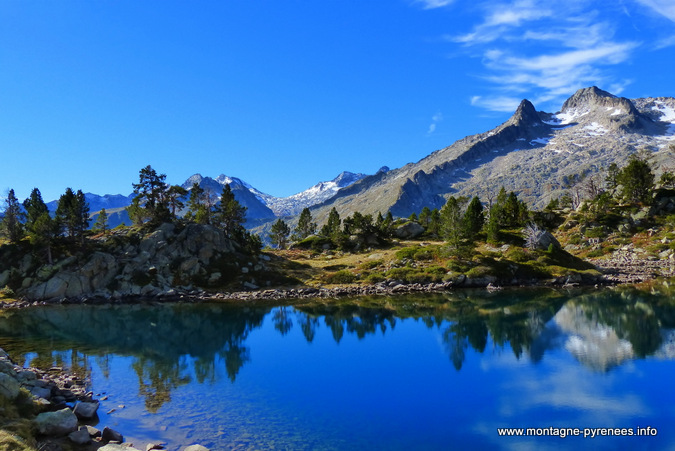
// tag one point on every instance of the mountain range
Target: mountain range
(534, 153)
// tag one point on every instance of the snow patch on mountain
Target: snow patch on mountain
(319, 193)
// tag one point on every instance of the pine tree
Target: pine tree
(35, 207)
(332, 227)
(72, 213)
(12, 223)
(452, 222)
(474, 218)
(637, 180)
(229, 214)
(151, 195)
(44, 231)
(197, 210)
(101, 224)
(434, 227)
(174, 199)
(305, 226)
(279, 233)
(425, 217)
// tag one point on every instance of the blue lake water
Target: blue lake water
(426, 372)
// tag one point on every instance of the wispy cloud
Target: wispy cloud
(432, 4)
(530, 49)
(665, 8)
(435, 119)
(496, 103)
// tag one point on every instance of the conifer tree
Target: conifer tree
(230, 215)
(279, 233)
(174, 199)
(434, 227)
(452, 222)
(101, 224)
(72, 214)
(151, 195)
(305, 226)
(35, 207)
(474, 218)
(425, 217)
(197, 209)
(12, 223)
(637, 180)
(43, 233)
(332, 227)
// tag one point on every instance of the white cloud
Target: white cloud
(665, 8)
(529, 48)
(497, 103)
(435, 119)
(433, 4)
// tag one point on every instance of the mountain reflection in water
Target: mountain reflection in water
(173, 346)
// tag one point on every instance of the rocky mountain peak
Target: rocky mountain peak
(600, 107)
(195, 178)
(525, 114)
(587, 97)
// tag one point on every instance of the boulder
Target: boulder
(9, 387)
(57, 423)
(85, 410)
(80, 437)
(4, 278)
(408, 230)
(196, 448)
(110, 435)
(41, 392)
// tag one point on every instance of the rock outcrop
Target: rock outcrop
(169, 261)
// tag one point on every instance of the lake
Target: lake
(443, 371)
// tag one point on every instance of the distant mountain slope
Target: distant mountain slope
(322, 191)
(533, 154)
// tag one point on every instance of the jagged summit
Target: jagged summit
(593, 105)
(587, 97)
(525, 114)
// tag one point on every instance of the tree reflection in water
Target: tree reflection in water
(172, 344)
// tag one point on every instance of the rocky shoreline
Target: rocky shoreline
(66, 409)
(385, 288)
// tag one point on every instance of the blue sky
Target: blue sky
(283, 94)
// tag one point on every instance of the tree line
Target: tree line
(155, 202)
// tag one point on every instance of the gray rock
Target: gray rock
(196, 448)
(6, 367)
(408, 230)
(116, 447)
(110, 435)
(80, 437)
(9, 387)
(26, 375)
(85, 410)
(57, 423)
(4, 278)
(41, 392)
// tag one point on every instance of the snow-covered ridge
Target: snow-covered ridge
(291, 205)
